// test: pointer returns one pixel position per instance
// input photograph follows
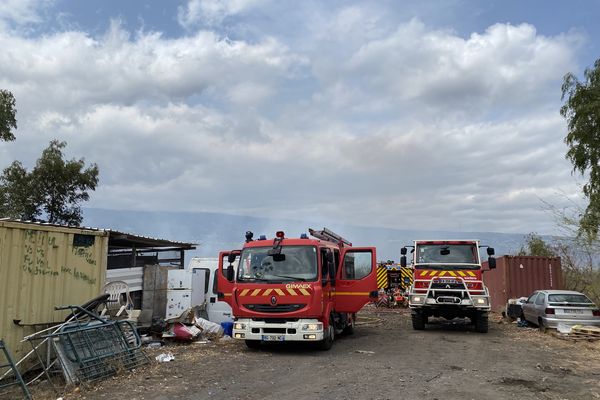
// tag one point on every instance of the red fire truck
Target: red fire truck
(301, 289)
(448, 282)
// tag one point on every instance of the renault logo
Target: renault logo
(273, 300)
(447, 286)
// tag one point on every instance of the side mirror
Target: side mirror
(403, 261)
(230, 272)
(403, 251)
(231, 258)
(491, 262)
(490, 251)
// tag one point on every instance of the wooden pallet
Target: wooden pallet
(577, 336)
(586, 330)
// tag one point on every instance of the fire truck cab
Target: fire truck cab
(300, 289)
(448, 282)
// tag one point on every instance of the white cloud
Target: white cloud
(212, 12)
(411, 127)
(21, 12)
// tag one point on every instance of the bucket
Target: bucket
(227, 328)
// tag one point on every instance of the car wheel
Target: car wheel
(541, 325)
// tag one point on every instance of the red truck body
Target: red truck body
(300, 289)
(448, 282)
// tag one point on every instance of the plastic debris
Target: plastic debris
(165, 357)
(364, 352)
(208, 328)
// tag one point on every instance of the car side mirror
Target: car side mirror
(229, 275)
(491, 263)
(403, 261)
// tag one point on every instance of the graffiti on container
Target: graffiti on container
(85, 252)
(78, 274)
(35, 261)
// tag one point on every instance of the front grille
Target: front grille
(439, 285)
(279, 308)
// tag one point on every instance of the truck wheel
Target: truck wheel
(253, 344)
(418, 321)
(349, 329)
(327, 341)
(481, 322)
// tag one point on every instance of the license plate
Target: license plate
(273, 338)
(447, 280)
(568, 311)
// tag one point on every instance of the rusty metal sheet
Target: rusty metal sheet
(519, 276)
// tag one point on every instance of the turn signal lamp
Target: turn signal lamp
(280, 234)
(596, 313)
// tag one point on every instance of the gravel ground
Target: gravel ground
(384, 359)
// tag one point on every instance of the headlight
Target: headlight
(480, 301)
(417, 299)
(239, 326)
(312, 327)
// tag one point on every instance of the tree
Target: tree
(536, 246)
(8, 113)
(582, 112)
(53, 189)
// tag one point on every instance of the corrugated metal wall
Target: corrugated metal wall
(42, 266)
(519, 276)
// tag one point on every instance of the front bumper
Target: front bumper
(553, 322)
(292, 331)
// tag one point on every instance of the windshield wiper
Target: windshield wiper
(295, 278)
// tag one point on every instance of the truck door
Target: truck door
(224, 287)
(356, 279)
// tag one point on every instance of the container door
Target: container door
(356, 283)
(224, 287)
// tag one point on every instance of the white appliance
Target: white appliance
(185, 289)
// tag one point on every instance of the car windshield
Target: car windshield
(428, 255)
(295, 263)
(568, 298)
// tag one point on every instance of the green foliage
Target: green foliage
(8, 113)
(582, 112)
(54, 188)
(536, 246)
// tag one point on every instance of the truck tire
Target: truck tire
(418, 321)
(481, 322)
(328, 338)
(349, 329)
(253, 344)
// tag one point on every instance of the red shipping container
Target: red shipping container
(519, 276)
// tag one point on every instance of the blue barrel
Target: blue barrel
(227, 328)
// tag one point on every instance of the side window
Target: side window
(540, 299)
(206, 272)
(215, 289)
(324, 271)
(357, 265)
(336, 259)
(531, 298)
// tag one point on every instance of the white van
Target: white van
(218, 311)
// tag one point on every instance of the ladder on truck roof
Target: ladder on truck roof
(329, 236)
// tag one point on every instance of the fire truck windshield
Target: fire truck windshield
(299, 264)
(463, 256)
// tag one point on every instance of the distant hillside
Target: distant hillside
(215, 232)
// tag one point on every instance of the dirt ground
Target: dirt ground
(384, 359)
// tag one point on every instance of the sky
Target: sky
(437, 115)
